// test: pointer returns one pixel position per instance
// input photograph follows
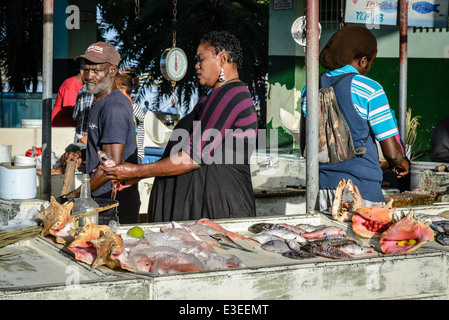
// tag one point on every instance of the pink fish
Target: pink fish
(322, 233)
(216, 226)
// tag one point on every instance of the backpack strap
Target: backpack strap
(360, 150)
(342, 77)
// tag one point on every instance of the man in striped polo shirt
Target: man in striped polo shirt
(350, 53)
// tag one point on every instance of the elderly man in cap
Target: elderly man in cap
(111, 128)
(348, 56)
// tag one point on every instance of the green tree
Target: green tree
(142, 37)
(21, 43)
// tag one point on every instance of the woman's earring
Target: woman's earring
(221, 78)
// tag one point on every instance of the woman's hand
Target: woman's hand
(122, 171)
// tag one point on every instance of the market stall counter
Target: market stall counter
(43, 269)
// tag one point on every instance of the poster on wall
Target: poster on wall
(373, 13)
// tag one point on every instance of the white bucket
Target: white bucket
(5, 153)
(31, 123)
(17, 183)
(20, 161)
(416, 167)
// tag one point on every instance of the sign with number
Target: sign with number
(373, 13)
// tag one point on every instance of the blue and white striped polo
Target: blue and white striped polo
(369, 100)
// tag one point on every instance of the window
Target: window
(331, 14)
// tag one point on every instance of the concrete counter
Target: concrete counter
(422, 274)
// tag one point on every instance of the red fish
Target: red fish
(108, 162)
(216, 226)
(322, 233)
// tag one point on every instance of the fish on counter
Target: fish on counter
(325, 232)
(325, 250)
(298, 254)
(207, 231)
(353, 248)
(440, 226)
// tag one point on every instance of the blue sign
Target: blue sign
(372, 13)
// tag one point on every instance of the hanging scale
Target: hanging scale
(173, 60)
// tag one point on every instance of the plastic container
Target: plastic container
(17, 183)
(31, 123)
(416, 167)
(20, 161)
(5, 153)
(152, 154)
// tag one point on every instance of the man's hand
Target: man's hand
(76, 156)
(73, 194)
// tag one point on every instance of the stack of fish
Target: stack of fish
(183, 248)
(305, 241)
(440, 226)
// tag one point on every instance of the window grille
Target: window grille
(331, 14)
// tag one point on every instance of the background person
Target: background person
(365, 106)
(125, 84)
(440, 141)
(61, 115)
(192, 179)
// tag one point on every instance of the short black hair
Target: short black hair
(227, 42)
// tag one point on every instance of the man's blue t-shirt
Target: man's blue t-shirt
(110, 121)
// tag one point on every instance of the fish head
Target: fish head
(142, 262)
(346, 201)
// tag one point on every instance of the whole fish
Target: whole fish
(262, 238)
(436, 227)
(442, 226)
(323, 233)
(325, 250)
(442, 239)
(353, 248)
(216, 226)
(388, 6)
(278, 246)
(294, 229)
(333, 241)
(259, 227)
(228, 242)
(285, 234)
(432, 218)
(424, 7)
(107, 161)
(298, 254)
(307, 227)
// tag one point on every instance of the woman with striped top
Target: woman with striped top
(205, 172)
(349, 55)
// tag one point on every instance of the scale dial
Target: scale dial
(173, 64)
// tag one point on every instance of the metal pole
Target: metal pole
(403, 23)
(312, 65)
(47, 74)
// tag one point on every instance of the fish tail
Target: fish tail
(216, 226)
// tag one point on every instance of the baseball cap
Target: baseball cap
(101, 52)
